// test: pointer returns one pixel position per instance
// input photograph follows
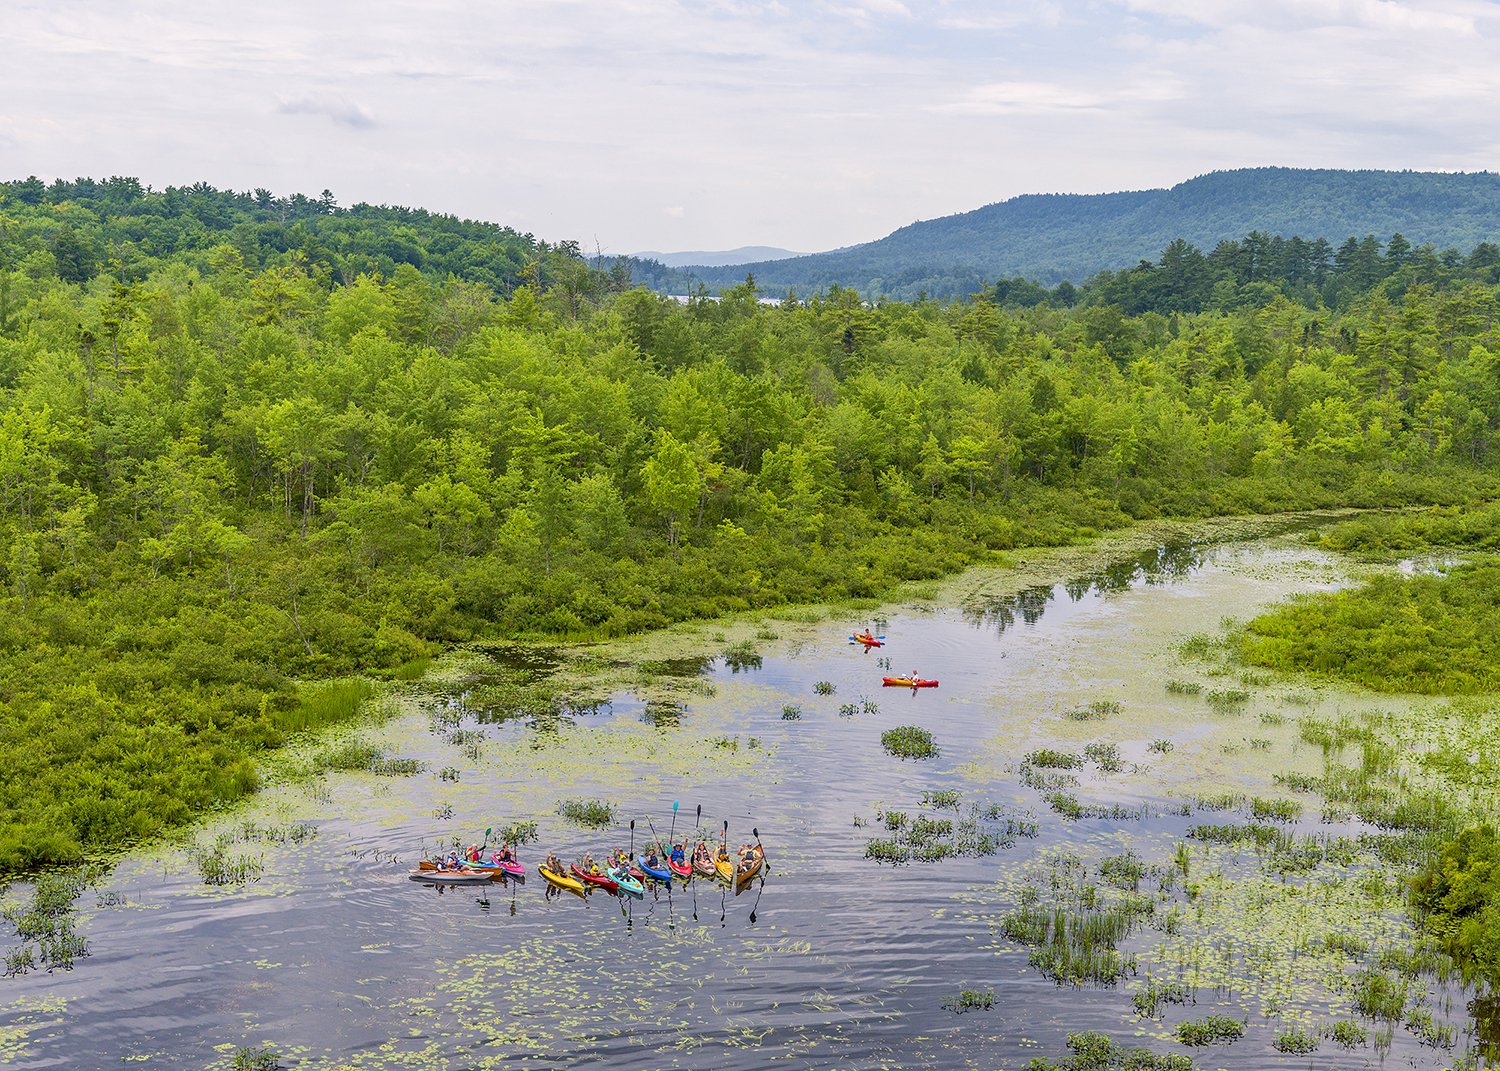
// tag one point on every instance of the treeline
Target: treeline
(1260, 268)
(245, 469)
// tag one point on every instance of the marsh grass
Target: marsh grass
(1210, 1030)
(1092, 1051)
(349, 756)
(1150, 1000)
(1376, 995)
(330, 704)
(518, 832)
(942, 799)
(1104, 755)
(1176, 687)
(1295, 1042)
(909, 742)
(1227, 699)
(1275, 809)
(592, 813)
(1161, 747)
(413, 670)
(1348, 1034)
(970, 1000)
(1074, 946)
(823, 688)
(249, 1058)
(1055, 760)
(789, 712)
(396, 767)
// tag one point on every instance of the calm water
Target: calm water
(336, 959)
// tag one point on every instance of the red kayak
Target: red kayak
(607, 884)
(682, 870)
(868, 641)
(908, 682)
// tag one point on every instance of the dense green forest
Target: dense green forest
(1053, 237)
(248, 444)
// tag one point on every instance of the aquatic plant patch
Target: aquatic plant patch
(1428, 634)
(1210, 1030)
(1092, 1051)
(1051, 759)
(970, 1000)
(592, 813)
(909, 742)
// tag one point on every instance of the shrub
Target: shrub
(1457, 895)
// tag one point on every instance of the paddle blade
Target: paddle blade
(632, 823)
(756, 832)
(674, 806)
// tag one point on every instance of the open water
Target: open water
(335, 959)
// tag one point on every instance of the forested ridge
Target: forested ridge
(1052, 237)
(239, 456)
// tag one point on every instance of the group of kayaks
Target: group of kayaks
(869, 640)
(620, 876)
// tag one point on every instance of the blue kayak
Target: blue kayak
(656, 873)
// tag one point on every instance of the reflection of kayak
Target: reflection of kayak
(607, 884)
(655, 873)
(450, 877)
(909, 682)
(627, 883)
(868, 641)
(562, 881)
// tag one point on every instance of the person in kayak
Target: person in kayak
(589, 866)
(702, 857)
(505, 855)
(554, 864)
(867, 635)
(453, 862)
(678, 855)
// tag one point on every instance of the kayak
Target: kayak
(655, 873)
(746, 871)
(706, 869)
(878, 641)
(682, 870)
(515, 870)
(562, 881)
(607, 884)
(749, 870)
(491, 869)
(450, 877)
(627, 883)
(909, 682)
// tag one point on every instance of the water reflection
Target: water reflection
(1160, 565)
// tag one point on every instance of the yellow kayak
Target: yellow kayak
(562, 881)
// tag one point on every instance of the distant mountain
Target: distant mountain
(1051, 237)
(745, 254)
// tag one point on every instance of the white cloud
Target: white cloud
(339, 109)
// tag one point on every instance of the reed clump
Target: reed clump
(334, 702)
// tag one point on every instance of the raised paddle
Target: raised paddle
(673, 834)
(632, 842)
(700, 817)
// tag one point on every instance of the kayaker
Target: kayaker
(588, 863)
(678, 855)
(867, 635)
(554, 864)
(505, 855)
(453, 861)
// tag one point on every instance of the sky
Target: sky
(711, 124)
